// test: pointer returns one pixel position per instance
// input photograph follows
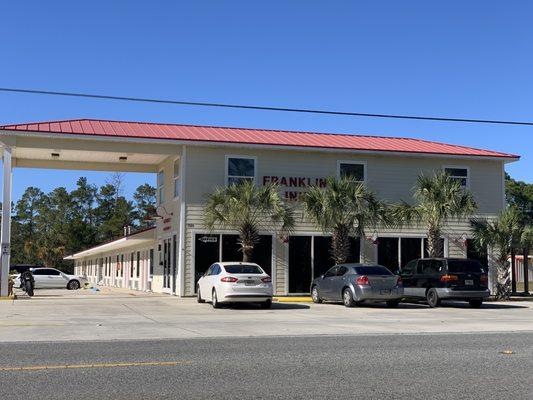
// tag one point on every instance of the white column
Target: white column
(181, 239)
(6, 222)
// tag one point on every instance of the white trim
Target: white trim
(174, 178)
(159, 187)
(468, 177)
(122, 139)
(504, 199)
(353, 162)
(242, 157)
(6, 221)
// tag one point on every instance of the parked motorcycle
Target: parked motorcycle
(27, 282)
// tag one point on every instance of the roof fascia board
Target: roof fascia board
(123, 243)
(123, 139)
(84, 166)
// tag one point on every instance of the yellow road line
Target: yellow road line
(96, 365)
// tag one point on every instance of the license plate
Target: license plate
(384, 291)
(469, 282)
(249, 283)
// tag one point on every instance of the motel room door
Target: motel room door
(169, 264)
(206, 252)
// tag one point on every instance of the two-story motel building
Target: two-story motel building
(190, 161)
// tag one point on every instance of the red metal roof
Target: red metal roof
(265, 137)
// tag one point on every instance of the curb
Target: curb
(292, 299)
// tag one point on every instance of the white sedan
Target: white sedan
(235, 282)
(49, 278)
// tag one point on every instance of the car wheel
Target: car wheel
(432, 298)
(315, 296)
(214, 300)
(347, 298)
(267, 304)
(393, 303)
(475, 303)
(73, 285)
(199, 296)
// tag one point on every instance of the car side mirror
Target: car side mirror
(322, 276)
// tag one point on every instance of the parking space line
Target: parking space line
(96, 365)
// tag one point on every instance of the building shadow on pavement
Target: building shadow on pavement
(275, 306)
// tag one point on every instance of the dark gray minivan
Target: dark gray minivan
(436, 279)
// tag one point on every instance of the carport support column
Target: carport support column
(182, 230)
(6, 221)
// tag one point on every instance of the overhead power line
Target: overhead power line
(264, 108)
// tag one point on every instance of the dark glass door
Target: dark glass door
(231, 251)
(473, 253)
(355, 250)
(166, 264)
(322, 255)
(262, 254)
(388, 253)
(174, 258)
(440, 250)
(411, 249)
(206, 252)
(300, 271)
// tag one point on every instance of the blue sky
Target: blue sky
(455, 58)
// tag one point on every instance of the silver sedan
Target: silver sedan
(354, 284)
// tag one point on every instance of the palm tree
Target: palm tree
(500, 235)
(438, 199)
(343, 208)
(247, 208)
(526, 241)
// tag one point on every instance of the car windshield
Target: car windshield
(372, 270)
(468, 266)
(243, 269)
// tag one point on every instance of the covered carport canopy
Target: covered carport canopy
(60, 145)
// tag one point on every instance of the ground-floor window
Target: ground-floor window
(310, 257)
(473, 253)
(210, 248)
(395, 252)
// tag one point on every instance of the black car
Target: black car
(20, 268)
(436, 279)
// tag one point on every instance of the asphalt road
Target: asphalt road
(437, 366)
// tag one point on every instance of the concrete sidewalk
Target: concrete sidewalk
(122, 314)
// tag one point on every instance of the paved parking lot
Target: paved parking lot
(121, 314)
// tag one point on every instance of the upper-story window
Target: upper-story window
(177, 182)
(355, 170)
(161, 187)
(239, 169)
(459, 174)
